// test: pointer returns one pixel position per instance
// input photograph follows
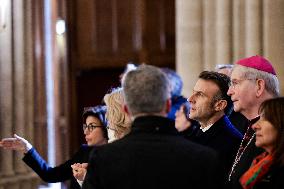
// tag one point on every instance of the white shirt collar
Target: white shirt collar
(206, 128)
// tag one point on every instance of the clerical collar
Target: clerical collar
(254, 120)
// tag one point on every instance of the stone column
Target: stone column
(253, 27)
(6, 93)
(243, 28)
(19, 79)
(273, 36)
(189, 60)
(223, 31)
(209, 33)
(238, 40)
(29, 72)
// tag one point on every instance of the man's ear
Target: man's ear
(168, 105)
(125, 109)
(220, 105)
(260, 87)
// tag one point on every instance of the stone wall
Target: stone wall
(210, 32)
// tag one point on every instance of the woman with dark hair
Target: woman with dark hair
(94, 127)
(267, 169)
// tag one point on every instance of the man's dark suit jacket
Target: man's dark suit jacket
(59, 173)
(152, 155)
(239, 121)
(222, 137)
(273, 179)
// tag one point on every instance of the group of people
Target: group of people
(102, 124)
(148, 136)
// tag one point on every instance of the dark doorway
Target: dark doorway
(91, 86)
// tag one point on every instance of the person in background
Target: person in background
(183, 123)
(152, 155)
(94, 126)
(236, 118)
(224, 69)
(253, 80)
(176, 88)
(267, 169)
(119, 123)
(128, 67)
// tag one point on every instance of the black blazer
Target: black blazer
(152, 155)
(272, 180)
(59, 173)
(222, 137)
(239, 121)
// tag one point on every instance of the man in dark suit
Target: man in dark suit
(209, 106)
(152, 155)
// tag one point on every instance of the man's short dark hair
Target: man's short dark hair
(223, 83)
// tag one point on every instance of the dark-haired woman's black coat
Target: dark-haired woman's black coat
(59, 173)
(274, 179)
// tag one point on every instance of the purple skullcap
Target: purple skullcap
(257, 62)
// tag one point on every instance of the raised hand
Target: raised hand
(16, 143)
(79, 170)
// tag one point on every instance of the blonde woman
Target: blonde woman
(118, 121)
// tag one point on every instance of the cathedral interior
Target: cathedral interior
(59, 56)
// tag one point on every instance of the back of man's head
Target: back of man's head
(146, 90)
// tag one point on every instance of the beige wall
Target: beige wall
(23, 87)
(16, 91)
(210, 32)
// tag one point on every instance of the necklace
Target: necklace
(240, 153)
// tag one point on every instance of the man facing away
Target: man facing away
(253, 80)
(152, 155)
(209, 106)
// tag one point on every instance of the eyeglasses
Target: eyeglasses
(90, 127)
(236, 82)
